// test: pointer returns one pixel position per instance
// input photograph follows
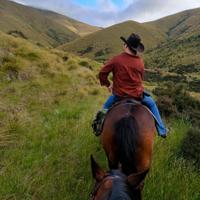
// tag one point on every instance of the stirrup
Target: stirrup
(97, 123)
(97, 128)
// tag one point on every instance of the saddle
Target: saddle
(125, 101)
(98, 123)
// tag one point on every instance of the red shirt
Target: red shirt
(128, 71)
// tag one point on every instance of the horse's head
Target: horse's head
(114, 184)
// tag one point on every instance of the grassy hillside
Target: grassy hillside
(180, 29)
(75, 26)
(177, 61)
(40, 26)
(48, 99)
(105, 43)
(180, 25)
(176, 54)
(45, 96)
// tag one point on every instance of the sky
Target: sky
(104, 13)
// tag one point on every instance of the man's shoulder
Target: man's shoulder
(118, 57)
(115, 58)
(122, 57)
(126, 55)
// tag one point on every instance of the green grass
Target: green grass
(40, 140)
(48, 157)
(172, 177)
(44, 162)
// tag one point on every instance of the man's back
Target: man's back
(128, 72)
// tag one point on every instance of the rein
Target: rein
(98, 185)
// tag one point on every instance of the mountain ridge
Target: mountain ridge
(44, 27)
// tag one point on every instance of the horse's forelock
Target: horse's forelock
(120, 190)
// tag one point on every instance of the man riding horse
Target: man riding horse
(128, 72)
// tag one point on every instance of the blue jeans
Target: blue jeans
(147, 101)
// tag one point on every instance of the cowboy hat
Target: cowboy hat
(134, 42)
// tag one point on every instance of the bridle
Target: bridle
(99, 184)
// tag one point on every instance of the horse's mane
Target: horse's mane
(126, 137)
(120, 189)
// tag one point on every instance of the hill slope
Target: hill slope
(180, 53)
(105, 43)
(44, 27)
(180, 25)
(80, 28)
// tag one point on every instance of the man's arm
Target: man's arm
(143, 70)
(103, 74)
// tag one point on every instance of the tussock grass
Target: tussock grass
(191, 153)
(172, 177)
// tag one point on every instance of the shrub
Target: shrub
(72, 64)
(175, 100)
(190, 147)
(95, 92)
(11, 66)
(103, 52)
(174, 78)
(8, 58)
(65, 58)
(44, 65)
(182, 69)
(71, 61)
(32, 56)
(153, 76)
(166, 106)
(85, 51)
(25, 75)
(17, 33)
(59, 37)
(85, 64)
(194, 85)
(156, 76)
(25, 53)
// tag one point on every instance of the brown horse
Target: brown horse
(127, 137)
(115, 185)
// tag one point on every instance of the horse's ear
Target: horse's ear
(137, 180)
(97, 172)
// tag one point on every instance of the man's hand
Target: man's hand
(110, 88)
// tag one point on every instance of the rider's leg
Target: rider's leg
(110, 101)
(150, 103)
(96, 124)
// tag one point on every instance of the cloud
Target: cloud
(107, 5)
(147, 10)
(106, 12)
